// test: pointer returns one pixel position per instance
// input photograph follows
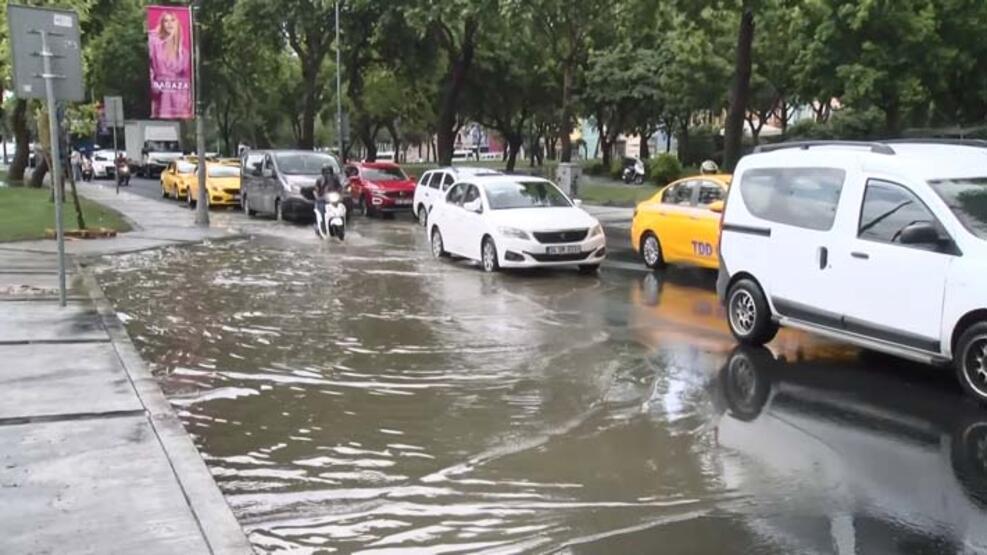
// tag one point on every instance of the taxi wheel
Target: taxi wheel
(971, 361)
(651, 251)
(164, 192)
(748, 314)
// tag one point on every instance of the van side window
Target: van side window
(888, 209)
(680, 194)
(800, 197)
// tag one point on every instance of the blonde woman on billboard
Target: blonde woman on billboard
(171, 87)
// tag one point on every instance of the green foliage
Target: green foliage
(26, 213)
(616, 169)
(664, 168)
(700, 144)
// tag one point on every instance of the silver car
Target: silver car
(279, 182)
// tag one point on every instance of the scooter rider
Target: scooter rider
(325, 184)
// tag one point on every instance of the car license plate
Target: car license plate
(567, 249)
(402, 201)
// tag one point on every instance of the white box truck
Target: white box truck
(152, 145)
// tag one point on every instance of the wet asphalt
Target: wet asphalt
(364, 397)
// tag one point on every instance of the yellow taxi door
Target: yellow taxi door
(673, 218)
(704, 224)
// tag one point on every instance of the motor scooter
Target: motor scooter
(123, 175)
(332, 221)
(87, 169)
(633, 173)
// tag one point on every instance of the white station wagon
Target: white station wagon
(515, 222)
(883, 245)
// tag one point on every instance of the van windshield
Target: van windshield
(967, 198)
(304, 163)
(162, 146)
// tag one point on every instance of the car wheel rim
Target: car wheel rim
(436, 244)
(975, 365)
(743, 380)
(651, 251)
(489, 256)
(743, 312)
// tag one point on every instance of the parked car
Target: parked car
(177, 177)
(380, 188)
(222, 185)
(434, 184)
(104, 164)
(877, 244)
(681, 223)
(280, 182)
(515, 222)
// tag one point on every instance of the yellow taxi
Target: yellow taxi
(222, 185)
(177, 177)
(681, 223)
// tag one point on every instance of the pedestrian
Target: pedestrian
(76, 161)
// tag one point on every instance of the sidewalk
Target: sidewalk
(93, 458)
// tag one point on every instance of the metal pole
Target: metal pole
(56, 161)
(116, 154)
(202, 208)
(339, 92)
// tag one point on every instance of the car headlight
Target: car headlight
(597, 230)
(514, 232)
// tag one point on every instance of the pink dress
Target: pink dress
(171, 82)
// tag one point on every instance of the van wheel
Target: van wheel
(245, 202)
(651, 252)
(745, 383)
(971, 361)
(748, 314)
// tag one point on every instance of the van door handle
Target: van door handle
(823, 258)
(860, 255)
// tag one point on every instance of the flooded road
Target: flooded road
(365, 397)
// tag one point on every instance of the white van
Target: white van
(883, 245)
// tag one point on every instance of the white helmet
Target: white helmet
(709, 166)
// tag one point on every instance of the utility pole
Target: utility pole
(56, 158)
(202, 202)
(339, 92)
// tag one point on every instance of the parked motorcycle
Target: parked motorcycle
(332, 221)
(633, 171)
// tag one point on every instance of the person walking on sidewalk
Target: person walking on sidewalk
(76, 161)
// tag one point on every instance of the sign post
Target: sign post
(53, 36)
(113, 111)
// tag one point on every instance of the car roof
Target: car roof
(923, 161)
(462, 171)
(723, 178)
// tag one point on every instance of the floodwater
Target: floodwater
(364, 398)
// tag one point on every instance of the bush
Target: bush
(594, 167)
(616, 168)
(664, 169)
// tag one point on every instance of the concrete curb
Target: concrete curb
(219, 526)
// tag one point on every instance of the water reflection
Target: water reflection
(366, 397)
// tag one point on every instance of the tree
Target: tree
(740, 91)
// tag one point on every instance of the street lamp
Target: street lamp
(339, 93)
(202, 202)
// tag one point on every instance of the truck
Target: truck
(152, 145)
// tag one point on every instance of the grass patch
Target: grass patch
(25, 214)
(615, 195)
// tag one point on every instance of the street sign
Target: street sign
(61, 30)
(113, 110)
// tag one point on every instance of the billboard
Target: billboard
(169, 45)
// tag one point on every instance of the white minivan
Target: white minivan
(434, 184)
(883, 245)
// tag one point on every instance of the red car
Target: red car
(380, 188)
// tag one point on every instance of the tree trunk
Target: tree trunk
(645, 147)
(22, 138)
(739, 97)
(514, 142)
(79, 220)
(306, 139)
(449, 107)
(40, 170)
(566, 121)
(395, 139)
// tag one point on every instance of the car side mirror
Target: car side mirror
(474, 206)
(413, 178)
(717, 206)
(919, 233)
(578, 203)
